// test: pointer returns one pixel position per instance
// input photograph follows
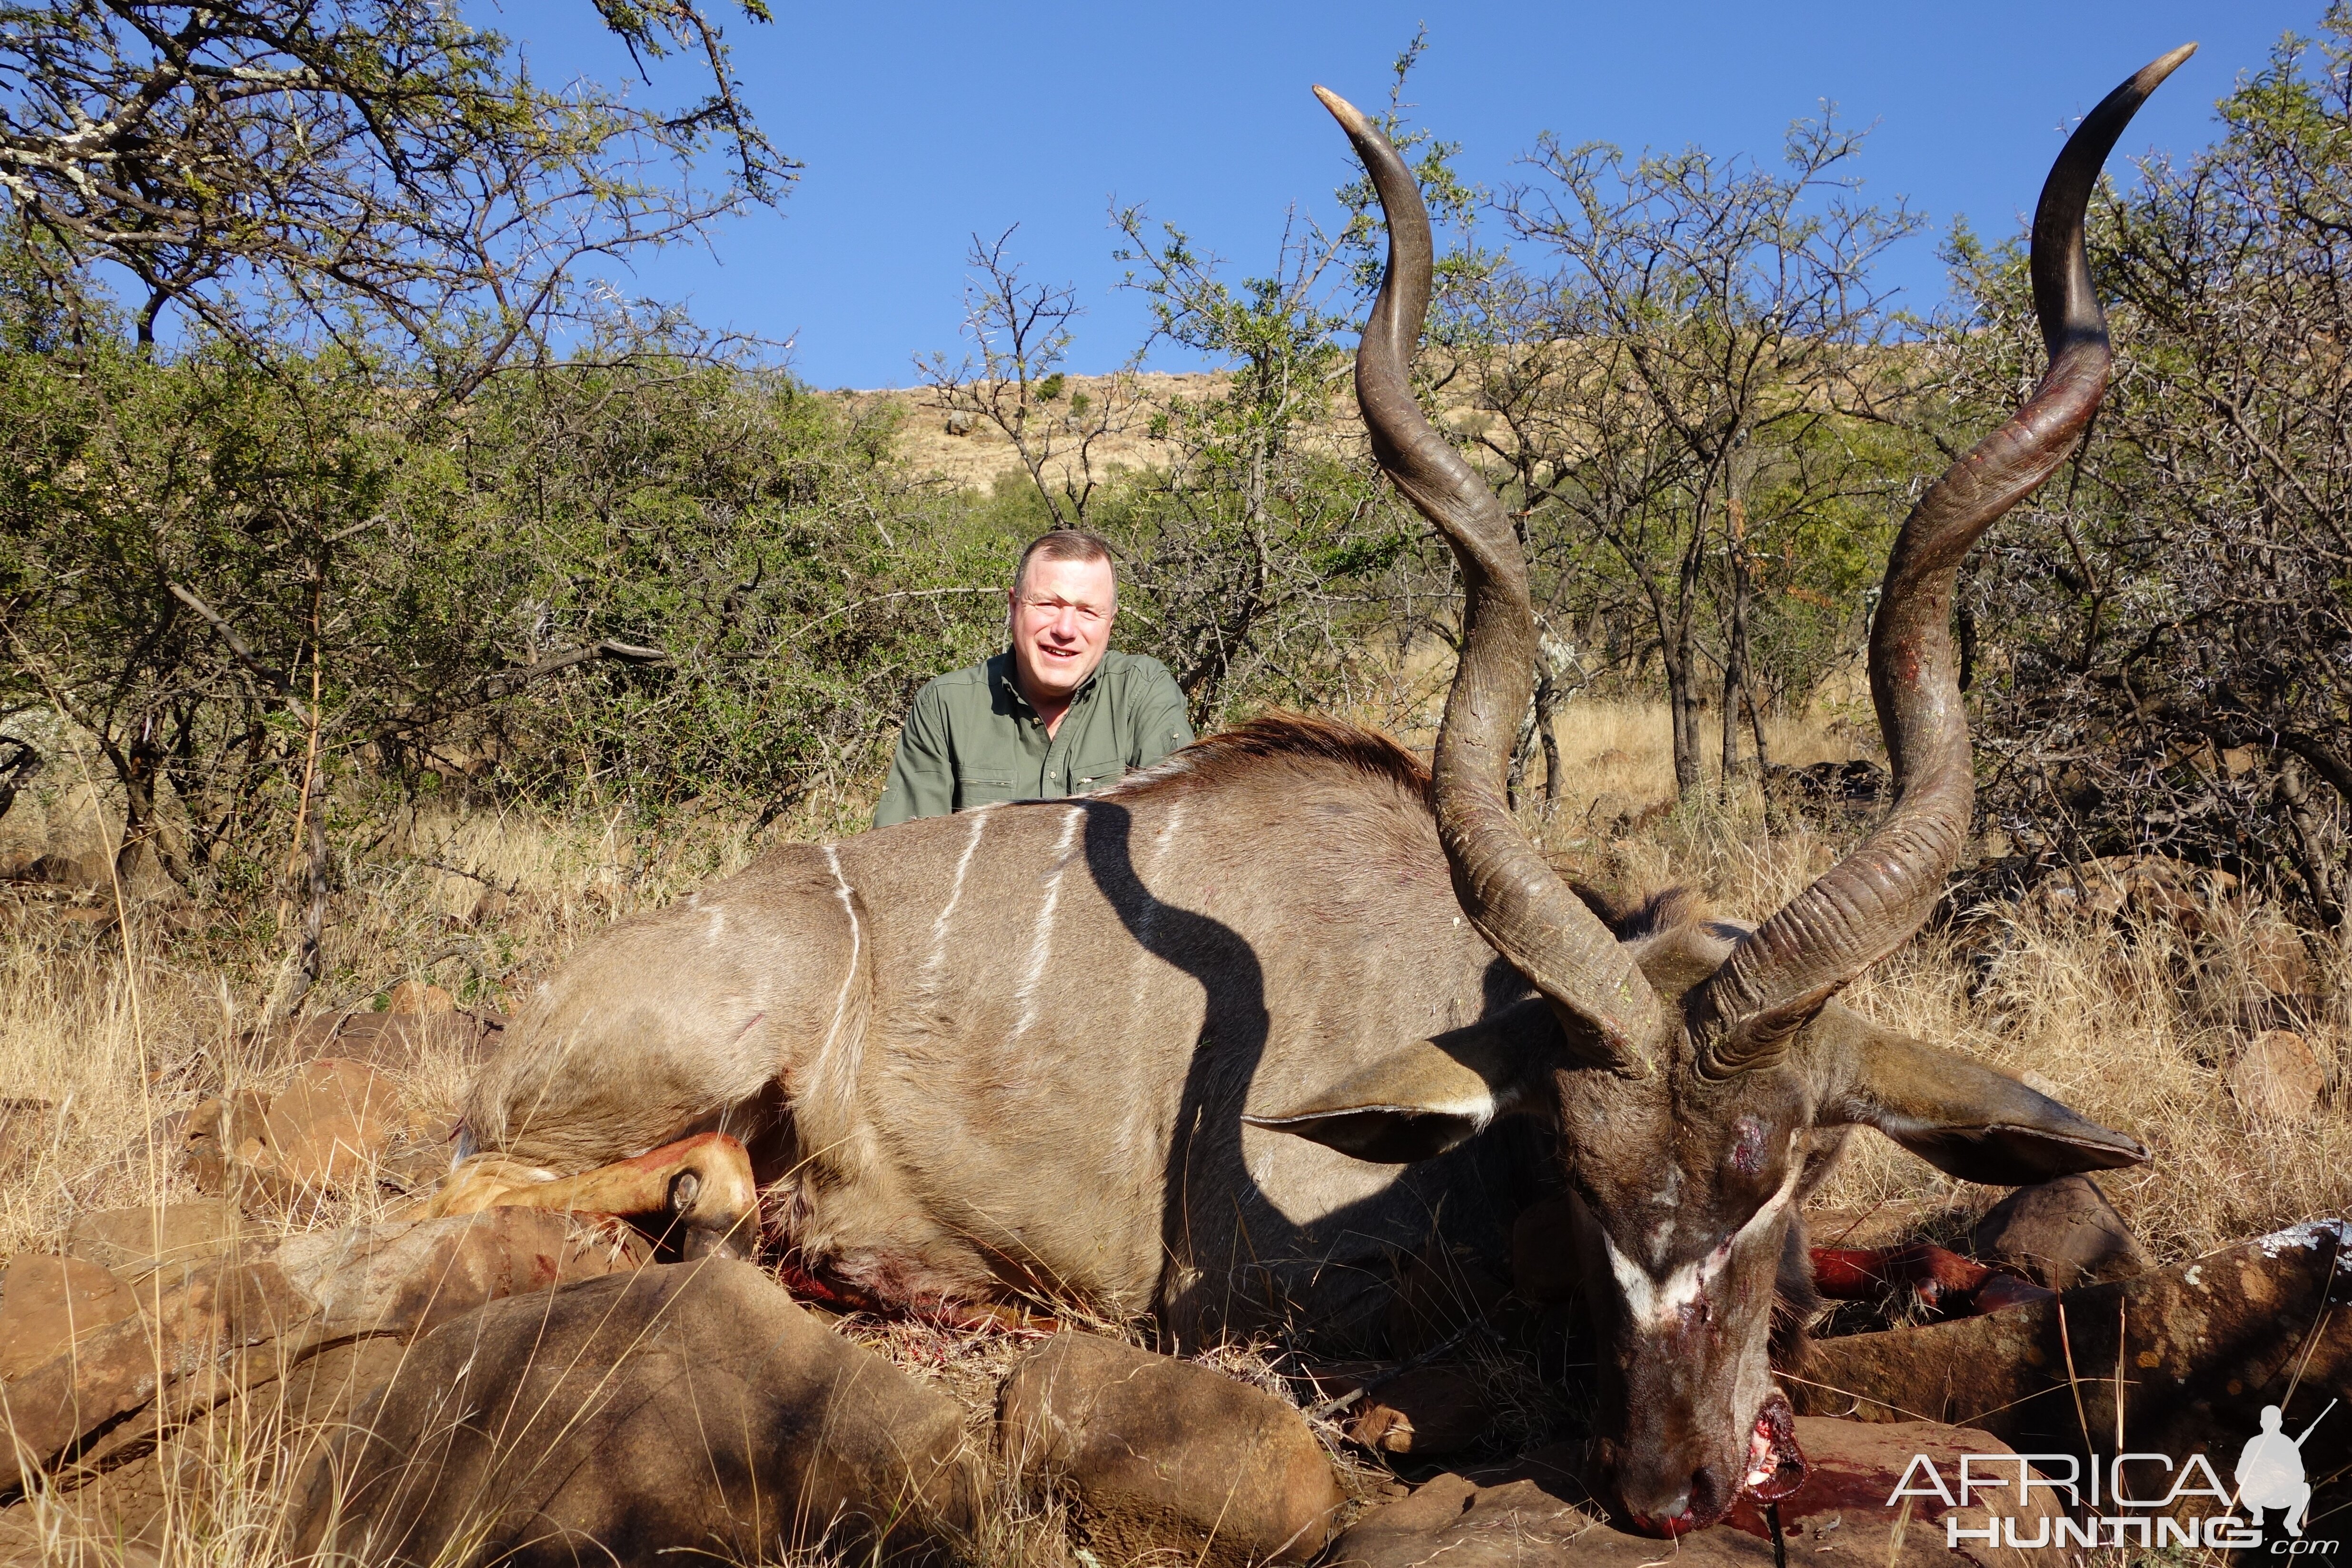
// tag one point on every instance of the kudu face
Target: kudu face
(1683, 1211)
(1698, 1076)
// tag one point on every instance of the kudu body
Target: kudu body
(1215, 1043)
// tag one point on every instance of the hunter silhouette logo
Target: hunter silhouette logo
(2130, 1500)
(2269, 1472)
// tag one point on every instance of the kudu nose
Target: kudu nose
(1705, 1500)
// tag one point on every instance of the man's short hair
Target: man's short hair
(1064, 545)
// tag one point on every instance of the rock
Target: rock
(2277, 1077)
(1544, 1268)
(136, 1241)
(2061, 1234)
(1429, 1413)
(2201, 1348)
(378, 1039)
(412, 999)
(328, 1128)
(2153, 887)
(1540, 1511)
(218, 1324)
(48, 1303)
(688, 1409)
(959, 423)
(215, 1130)
(2278, 966)
(1158, 1455)
(1854, 1467)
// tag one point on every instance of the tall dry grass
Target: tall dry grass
(111, 1029)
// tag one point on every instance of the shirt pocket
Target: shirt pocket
(1095, 774)
(982, 787)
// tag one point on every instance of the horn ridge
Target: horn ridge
(1871, 902)
(1523, 909)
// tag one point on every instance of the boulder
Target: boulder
(2277, 1077)
(2151, 887)
(1428, 1413)
(379, 1040)
(136, 1241)
(327, 1128)
(214, 1326)
(1156, 1454)
(215, 1130)
(1540, 1511)
(2060, 1233)
(412, 999)
(2200, 1348)
(48, 1303)
(689, 1409)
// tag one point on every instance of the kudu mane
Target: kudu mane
(1303, 741)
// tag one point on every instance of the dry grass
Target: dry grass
(108, 1031)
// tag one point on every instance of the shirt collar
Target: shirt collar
(1001, 670)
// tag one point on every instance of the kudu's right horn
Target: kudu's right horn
(1509, 893)
(1867, 905)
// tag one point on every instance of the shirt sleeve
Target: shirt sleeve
(922, 774)
(1160, 723)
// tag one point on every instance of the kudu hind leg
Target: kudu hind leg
(698, 1194)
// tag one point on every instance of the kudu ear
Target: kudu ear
(1962, 1117)
(1429, 1095)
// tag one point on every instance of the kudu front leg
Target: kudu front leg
(696, 1194)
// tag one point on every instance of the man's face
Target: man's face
(1061, 625)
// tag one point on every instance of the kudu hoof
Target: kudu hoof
(696, 1194)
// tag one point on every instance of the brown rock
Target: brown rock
(2278, 966)
(379, 1040)
(48, 1303)
(1159, 1455)
(215, 1130)
(689, 1409)
(1543, 1252)
(1541, 1512)
(2277, 1077)
(137, 1241)
(1429, 1413)
(412, 999)
(2201, 1347)
(2152, 888)
(2061, 1234)
(329, 1126)
(222, 1324)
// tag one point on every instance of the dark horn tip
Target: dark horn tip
(2063, 297)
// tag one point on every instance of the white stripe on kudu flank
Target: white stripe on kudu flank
(1041, 935)
(955, 895)
(845, 1072)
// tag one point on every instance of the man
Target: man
(2270, 1473)
(1059, 713)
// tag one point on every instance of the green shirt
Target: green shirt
(971, 738)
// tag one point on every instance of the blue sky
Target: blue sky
(922, 123)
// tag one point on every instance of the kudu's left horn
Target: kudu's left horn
(1519, 904)
(1870, 903)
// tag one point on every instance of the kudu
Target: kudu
(1055, 1049)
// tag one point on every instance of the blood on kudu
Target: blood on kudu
(1270, 927)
